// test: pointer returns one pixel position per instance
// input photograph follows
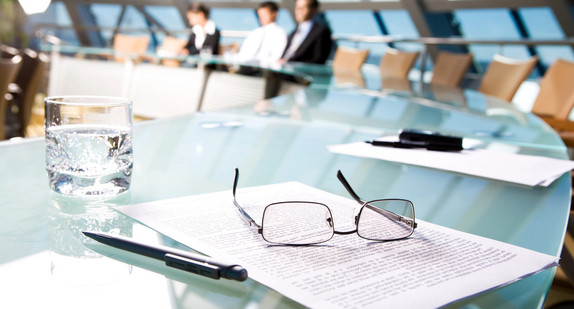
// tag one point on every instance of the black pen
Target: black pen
(412, 144)
(393, 144)
(194, 263)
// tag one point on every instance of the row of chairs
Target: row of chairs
(449, 70)
(21, 75)
(503, 77)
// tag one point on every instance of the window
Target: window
(234, 19)
(285, 20)
(490, 24)
(360, 22)
(55, 14)
(540, 23)
(134, 19)
(399, 24)
(106, 15)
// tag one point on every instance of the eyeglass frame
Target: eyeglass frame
(412, 223)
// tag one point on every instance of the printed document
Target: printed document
(432, 268)
(516, 168)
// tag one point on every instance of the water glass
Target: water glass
(88, 144)
(205, 53)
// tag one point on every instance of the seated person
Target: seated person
(204, 34)
(266, 43)
(311, 42)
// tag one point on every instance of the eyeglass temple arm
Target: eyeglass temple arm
(244, 214)
(348, 187)
(392, 215)
(360, 201)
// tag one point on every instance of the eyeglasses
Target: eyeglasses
(307, 223)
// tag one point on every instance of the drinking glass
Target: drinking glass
(88, 144)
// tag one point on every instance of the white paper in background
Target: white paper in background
(510, 167)
(434, 267)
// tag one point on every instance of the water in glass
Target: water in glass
(89, 160)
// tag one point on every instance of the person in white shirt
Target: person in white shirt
(266, 43)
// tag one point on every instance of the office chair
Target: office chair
(8, 70)
(25, 87)
(450, 68)
(347, 58)
(396, 63)
(504, 76)
(171, 47)
(8, 51)
(555, 99)
(130, 47)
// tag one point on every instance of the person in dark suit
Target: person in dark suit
(311, 42)
(204, 34)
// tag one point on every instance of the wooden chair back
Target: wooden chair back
(504, 76)
(130, 47)
(349, 58)
(171, 47)
(450, 68)
(556, 96)
(396, 63)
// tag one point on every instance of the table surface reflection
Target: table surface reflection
(44, 262)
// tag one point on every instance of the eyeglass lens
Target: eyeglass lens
(386, 220)
(297, 223)
(304, 223)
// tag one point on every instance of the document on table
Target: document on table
(434, 267)
(510, 167)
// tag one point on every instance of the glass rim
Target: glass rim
(97, 100)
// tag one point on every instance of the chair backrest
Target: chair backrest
(8, 51)
(504, 76)
(29, 79)
(8, 70)
(349, 58)
(449, 68)
(127, 46)
(396, 63)
(171, 47)
(556, 96)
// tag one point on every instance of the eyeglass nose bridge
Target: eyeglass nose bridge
(345, 232)
(331, 225)
(348, 232)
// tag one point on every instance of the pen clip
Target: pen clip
(192, 266)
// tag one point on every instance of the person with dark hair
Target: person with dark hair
(311, 42)
(204, 34)
(266, 43)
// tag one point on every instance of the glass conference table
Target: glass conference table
(44, 262)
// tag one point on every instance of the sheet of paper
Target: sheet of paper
(521, 169)
(347, 271)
